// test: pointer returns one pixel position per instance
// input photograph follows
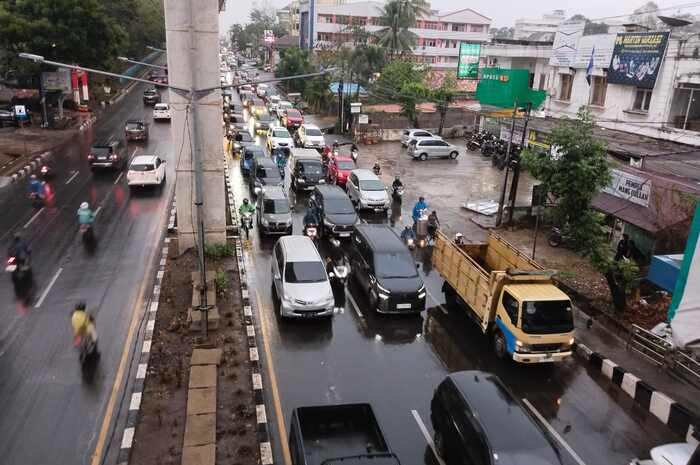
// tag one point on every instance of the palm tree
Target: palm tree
(397, 16)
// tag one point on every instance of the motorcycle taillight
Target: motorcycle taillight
(10, 260)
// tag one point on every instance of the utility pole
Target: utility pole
(502, 199)
(340, 105)
(516, 166)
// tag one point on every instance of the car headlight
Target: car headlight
(301, 181)
(328, 223)
(257, 124)
(321, 181)
(570, 342)
(421, 292)
(382, 290)
(520, 346)
(264, 222)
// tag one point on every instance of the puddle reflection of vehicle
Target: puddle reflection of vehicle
(390, 329)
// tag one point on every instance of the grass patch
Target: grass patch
(218, 250)
(221, 282)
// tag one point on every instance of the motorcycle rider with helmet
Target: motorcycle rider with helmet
(84, 330)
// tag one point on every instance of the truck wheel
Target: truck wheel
(499, 344)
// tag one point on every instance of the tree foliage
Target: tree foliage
(294, 61)
(443, 96)
(590, 27)
(410, 94)
(396, 74)
(91, 33)
(397, 16)
(251, 34)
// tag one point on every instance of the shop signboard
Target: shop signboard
(630, 187)
(56, 81)
(468, 65)
(506, 88)
(566, 43)
(636, 58)
(540, 140)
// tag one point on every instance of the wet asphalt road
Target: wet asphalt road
(395, 363)
(51, 412)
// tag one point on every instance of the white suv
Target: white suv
(161, 111)
(300, 283)
(416, 134)
(366, 191)
(279, 137)
(146, 170)
(310, 136)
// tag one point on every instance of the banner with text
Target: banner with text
(629, 187)
(468, 66)
(636, 58)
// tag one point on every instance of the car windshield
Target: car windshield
(547, 317)
(277, 206)
(345, 165)
(245, 137)
(339, 206)
(395, 265)
(268, 173)
(142, 167)
(305, 272)
(264, 117)
(161, 106)
(100, 150)
(134, 126)
(313, 132)
(371, 185)
(310, 167)
(283, 133)
(293, 114)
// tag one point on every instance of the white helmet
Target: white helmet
(84, 205)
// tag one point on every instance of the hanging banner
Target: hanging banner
(629, 187)
(468, 66)
(636, 58)
(566, 43)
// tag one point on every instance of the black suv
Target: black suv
(151, 96)
(264, 172)
(335, 210)
(107, 154)
(382, 264)
(476, 418)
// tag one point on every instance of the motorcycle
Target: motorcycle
(87, 234)
(36, 199)
(87, 349)
(377, 169)
(410, 243)
(247, 223)
(488, 148)
(354, 153)
(558, 236)
(21, 272)
(397, 193)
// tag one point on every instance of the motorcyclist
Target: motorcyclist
(459, 239)
(85, 215)
(310, 218)
(18, 249)
(418, 209)
(83, 325)
(407, 234)
(377, 168)
(36, 187)
(433, 224)
(397, 183)
(246, 207)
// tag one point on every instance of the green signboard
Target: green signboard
(506, 88)
(468, 67)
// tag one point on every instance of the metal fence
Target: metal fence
(662, 353)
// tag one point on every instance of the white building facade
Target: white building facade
(548, 23)
(439, 34)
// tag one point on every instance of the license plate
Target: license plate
(378, 210)
(403, 306)
(101, 158)
(344, 234)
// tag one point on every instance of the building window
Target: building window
(642, 99)
(429, 43)
(543, 81)
(599, 87)
(566, 81)
(476, 28)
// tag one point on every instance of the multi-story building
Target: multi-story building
(288, 15)
(548, 23)
(439, 34)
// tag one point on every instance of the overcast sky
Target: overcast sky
(502, 12)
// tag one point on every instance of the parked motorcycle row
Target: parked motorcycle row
(491, 146)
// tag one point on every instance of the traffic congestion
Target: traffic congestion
(369, 306)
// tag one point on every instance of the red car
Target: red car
(339, 168)
(292, 119)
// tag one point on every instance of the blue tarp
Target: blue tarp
(663, 271)
(347, 87)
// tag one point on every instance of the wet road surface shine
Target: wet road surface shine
(396, 362)
(51, 413)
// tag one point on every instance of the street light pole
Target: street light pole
(142, 63)
(501, 201)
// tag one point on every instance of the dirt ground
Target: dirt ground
(161, 427)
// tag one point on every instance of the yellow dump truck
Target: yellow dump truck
(511, 297)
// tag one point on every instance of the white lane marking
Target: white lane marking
(354, 305)
(128, 438)
(135, 401)
(97, 212)
(554, 432)
(31, 220)
(72, 177)
(48, 288)
(426, 435)
(116, 181)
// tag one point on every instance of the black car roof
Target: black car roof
(511, 432)
(381, 237)
(331, 191)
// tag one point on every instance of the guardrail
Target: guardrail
(662, 353)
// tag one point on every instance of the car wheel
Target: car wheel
(439, 442)
(423, 156)
(499, 344)
(453, 155)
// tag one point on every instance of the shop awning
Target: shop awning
(627, 211)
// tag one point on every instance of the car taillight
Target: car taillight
(113, 157)
(44, 169)
(91, 156)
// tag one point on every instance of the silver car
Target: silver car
(432, 148)
(409, 135)
(300, 282)
(273, 211)
(366, 191)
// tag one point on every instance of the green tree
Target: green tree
(394, 75)
(294, 61)
(397, 16)
(443, 96)
(577, 172)
(410, 94)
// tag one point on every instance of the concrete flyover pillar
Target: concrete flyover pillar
(192, 35)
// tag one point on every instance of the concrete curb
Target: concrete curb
(249, 307)
(143, 356)
(31, 167)
(678, 418)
